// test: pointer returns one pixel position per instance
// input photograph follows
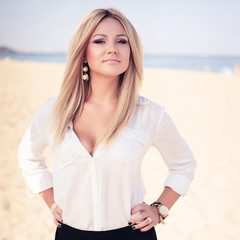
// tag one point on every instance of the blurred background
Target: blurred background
(192, 35)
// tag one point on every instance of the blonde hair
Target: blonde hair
(74, 89)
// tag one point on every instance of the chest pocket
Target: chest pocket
(130, 144)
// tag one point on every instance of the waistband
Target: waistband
(119, 233)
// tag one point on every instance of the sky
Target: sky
(175, 27)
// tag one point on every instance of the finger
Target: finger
(140, 217)
(148, 227)
(58, 224)
(59, 210)
(139, 207)
(58, 217)
(142, 224)
(60, 213)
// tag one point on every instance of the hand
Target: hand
(147, 219)
(57, 216)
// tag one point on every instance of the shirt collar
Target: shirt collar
(70, 125)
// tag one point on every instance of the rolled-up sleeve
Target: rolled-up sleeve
(31, 160)
(175, 153)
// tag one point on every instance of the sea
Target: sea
(220, 64)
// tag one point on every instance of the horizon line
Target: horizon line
(9, 50)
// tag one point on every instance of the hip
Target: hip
(126, 233)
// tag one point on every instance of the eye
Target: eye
(99, 41)
(122, 41)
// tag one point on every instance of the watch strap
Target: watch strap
(157, 204)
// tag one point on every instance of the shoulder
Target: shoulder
(149, 105)
(44, 111)
(42, 119)
(148, 113)
(47, 106)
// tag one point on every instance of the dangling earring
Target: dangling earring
(85, 72)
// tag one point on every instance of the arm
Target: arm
(30, 152)
(167, 198)
(48, 198)
(181, 165)
(37, 177)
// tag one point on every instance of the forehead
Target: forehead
(109, 26)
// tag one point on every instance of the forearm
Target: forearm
(168, 197)
(47, 196)
(150, 215)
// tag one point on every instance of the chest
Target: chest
(92, 124)
(128, 147)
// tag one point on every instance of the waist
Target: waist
(119, 233)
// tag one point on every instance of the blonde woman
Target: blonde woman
(100, 129)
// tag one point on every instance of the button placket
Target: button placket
(95, 192)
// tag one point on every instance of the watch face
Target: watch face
(163, 210)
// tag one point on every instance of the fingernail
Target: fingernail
(130, 223)
(59, 225)
(133, 227)
(62, 221)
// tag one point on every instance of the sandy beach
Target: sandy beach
(205, 108)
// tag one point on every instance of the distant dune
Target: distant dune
(7, 50)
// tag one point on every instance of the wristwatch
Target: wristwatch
(162, 210)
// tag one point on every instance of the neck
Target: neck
(103, 90)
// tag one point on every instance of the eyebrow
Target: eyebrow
(104, 35)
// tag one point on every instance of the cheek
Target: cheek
(127, 57)
(89, 54)
(92, 53)
(127, 52)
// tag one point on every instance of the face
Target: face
(108, 50)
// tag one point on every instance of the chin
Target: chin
(113, 73)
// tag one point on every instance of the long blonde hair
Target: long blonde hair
(74, 89)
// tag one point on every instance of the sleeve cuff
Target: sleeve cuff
(178, 183)
(39, 183)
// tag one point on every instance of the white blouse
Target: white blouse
(97, 192)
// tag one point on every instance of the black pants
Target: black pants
(69, 233)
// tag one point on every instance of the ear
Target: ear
(85, 59)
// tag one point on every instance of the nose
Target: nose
(112, 48)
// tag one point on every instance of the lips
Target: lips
(111, 60)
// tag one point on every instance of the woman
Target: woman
(100, 129)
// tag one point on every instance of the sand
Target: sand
(204, 106)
